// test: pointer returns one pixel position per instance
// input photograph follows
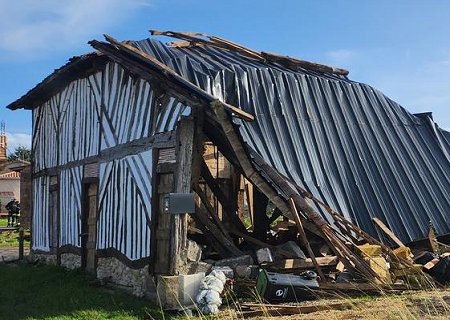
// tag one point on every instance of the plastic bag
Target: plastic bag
(211, 287)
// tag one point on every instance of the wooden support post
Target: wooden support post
(178, 231)
(388, 232)
(305, 241)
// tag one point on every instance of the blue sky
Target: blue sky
(399, 47)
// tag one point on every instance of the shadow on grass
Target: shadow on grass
(48, 292)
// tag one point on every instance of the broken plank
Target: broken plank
(387, 231)
(364, 287)
(261, 309)
(305, 241)
(304, 263)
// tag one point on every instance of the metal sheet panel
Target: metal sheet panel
(345, 142)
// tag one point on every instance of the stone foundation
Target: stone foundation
(136, 281)
(44, 258)
(70, 261)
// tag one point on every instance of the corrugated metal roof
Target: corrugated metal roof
(343, 141)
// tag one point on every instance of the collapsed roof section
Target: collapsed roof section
(343, 142)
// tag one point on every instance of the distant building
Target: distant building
(10, 176)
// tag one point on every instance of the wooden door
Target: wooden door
(89, 228)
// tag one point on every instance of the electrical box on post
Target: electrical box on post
(178, 203)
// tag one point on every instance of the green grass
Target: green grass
(46, 292)
(11, 238)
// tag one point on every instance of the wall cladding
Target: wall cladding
(91, 115)
(41, 195)
(70, 186)
(44, 143)
(124, 205)
(78, 121)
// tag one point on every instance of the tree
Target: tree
(20, 153)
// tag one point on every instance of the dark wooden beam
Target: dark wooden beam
(260, 218)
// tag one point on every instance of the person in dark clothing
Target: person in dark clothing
(17, 213)
(12, 211)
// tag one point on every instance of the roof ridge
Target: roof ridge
(196, 38)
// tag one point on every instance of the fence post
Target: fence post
(21, 241)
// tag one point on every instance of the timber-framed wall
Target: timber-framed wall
(119, 130)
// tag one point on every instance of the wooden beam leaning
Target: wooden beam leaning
(305, 241)
(210, 209)
(244, 162)
(387, 231)
(342, 221)
(175, 77)
(350, 260)
(214, 235)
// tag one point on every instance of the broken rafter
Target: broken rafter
(193, 38)
(388, 232)
(237, 147)
(305, 241)
(296, 63)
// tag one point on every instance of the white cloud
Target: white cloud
(342, 56)
(17, 139)
(30, 27)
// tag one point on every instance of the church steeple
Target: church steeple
(3, 142)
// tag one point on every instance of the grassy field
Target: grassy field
(45, 292)
(10, 238)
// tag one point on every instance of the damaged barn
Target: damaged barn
(289, 162)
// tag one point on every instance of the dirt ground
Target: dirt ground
(11, 253)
